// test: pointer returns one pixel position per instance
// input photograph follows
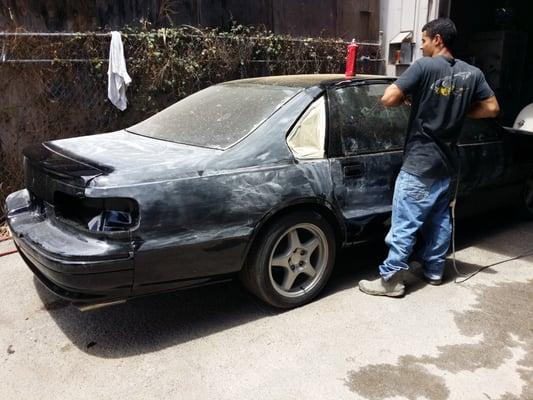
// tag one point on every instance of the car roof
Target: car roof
(306, 81)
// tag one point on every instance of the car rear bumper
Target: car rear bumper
(74, 265)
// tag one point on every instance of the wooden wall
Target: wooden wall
(328, 18)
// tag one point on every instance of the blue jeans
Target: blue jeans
(420, 208)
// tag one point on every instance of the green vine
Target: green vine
(43, 101)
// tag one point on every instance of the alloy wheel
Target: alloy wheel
(298, 260)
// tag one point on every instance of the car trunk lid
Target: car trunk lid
(47, 171)
(120, 158)
(135, 159)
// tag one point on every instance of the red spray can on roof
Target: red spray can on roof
(351, 59)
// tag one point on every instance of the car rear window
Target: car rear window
(216, 117)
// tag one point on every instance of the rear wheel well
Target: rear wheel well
(319, 208)
(291, 257)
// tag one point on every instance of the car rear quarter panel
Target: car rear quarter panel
(202, 227)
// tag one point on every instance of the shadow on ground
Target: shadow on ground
(156, 322)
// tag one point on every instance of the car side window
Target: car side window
(307, 139)
(363, 123)
(479, 130)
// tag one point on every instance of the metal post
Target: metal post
(53, 34)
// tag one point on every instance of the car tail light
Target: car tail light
(111, 221)
(97, 214)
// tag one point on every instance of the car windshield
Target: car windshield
(216, 117)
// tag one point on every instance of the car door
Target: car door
(365, 148)
(485, 166)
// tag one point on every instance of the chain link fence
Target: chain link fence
(56, 86)
(46, 102)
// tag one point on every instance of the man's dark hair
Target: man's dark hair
(443, 27)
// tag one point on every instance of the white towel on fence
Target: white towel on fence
(117, 76)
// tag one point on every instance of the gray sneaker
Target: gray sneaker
(393, 287)
(433, 282)
(417, 269)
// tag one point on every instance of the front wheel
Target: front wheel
(292, 260)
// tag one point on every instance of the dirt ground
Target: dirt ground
(457, 341)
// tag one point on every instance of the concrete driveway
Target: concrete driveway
(457, 341)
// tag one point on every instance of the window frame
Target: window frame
(322, 96)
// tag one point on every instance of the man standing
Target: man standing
(444, 91)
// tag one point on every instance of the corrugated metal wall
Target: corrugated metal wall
(345, 18)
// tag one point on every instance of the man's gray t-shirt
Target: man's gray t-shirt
(442, 92)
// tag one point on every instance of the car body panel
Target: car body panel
(133, 159)
(74, 265)
(364, 186)
(222, 212)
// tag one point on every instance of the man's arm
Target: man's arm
(393, 96)
(488, 108)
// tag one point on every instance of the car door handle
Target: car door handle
(354, 170)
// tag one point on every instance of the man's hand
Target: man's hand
(393, 96)
(488, 108)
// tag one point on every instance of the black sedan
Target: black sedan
(260, 178)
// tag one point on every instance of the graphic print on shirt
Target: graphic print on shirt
(456, 84)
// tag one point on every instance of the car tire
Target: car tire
(291, 261)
